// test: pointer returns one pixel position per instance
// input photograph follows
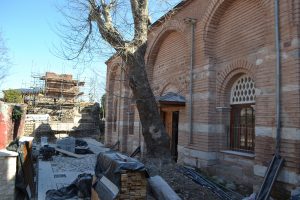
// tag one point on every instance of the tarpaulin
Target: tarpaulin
(110, 164)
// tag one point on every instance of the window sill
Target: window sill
(238, 153)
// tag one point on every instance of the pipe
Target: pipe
(192, 22)
(278, 76)
(119, 107)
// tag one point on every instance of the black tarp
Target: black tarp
(80, 187)
(110, 164)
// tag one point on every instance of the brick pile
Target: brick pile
(133, 186)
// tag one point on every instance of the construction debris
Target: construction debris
(104, 189)
(47, 152)
(68, 153)
(62, 170)
(80, 187)
(222, 193)
(128, 174)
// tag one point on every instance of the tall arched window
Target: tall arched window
(242, 123)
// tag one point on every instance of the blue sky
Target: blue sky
(29, 28)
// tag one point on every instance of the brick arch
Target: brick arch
(169, 85)
(112, 71)
(211, 19)
(227, 77)
(155, 45)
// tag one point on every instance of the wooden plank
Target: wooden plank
(68, 153)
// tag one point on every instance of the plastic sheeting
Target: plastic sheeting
(80, 187)
(110, 164)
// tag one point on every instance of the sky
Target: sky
(29, 29)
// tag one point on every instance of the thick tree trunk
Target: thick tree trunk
(156, 138)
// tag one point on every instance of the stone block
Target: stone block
(203, 154)
(190, 161)
(183, 150)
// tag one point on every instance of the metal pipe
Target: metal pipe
(278, 76)
(193, 24)
(119, 107)
(273, 180)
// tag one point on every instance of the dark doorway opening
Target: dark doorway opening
(171, 120)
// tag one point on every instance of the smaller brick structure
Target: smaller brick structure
(125, 174)
(133, 186)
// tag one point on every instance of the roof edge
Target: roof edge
(170, 13)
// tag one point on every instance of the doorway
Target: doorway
(171, 120)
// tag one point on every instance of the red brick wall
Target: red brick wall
(8, 130)
(232, 38)
(6, 125)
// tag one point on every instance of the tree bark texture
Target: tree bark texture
(156, 139)
(133, 54)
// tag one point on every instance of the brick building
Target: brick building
(61, 86)
(223, 119)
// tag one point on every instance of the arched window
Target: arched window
(243, 91)
(242, 123)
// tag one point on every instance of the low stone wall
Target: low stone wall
(196, 158)
(237, 167)
(232, 166)
(8, 163)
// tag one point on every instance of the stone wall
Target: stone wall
(84, 122)
(8, 163)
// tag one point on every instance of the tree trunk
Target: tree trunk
(156, 138)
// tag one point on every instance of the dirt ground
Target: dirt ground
(185, 187)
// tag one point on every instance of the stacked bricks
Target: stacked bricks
(133, 186)
(8, 163)
(29, 127)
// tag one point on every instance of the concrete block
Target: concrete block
(161, 189)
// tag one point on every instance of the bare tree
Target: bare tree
(122, 25)
(5, 62)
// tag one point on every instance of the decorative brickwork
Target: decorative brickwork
(228, 76)
(233, 39)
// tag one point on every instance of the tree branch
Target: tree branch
(101, 15)
(140, 16)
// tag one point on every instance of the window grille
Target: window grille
(243, 91)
